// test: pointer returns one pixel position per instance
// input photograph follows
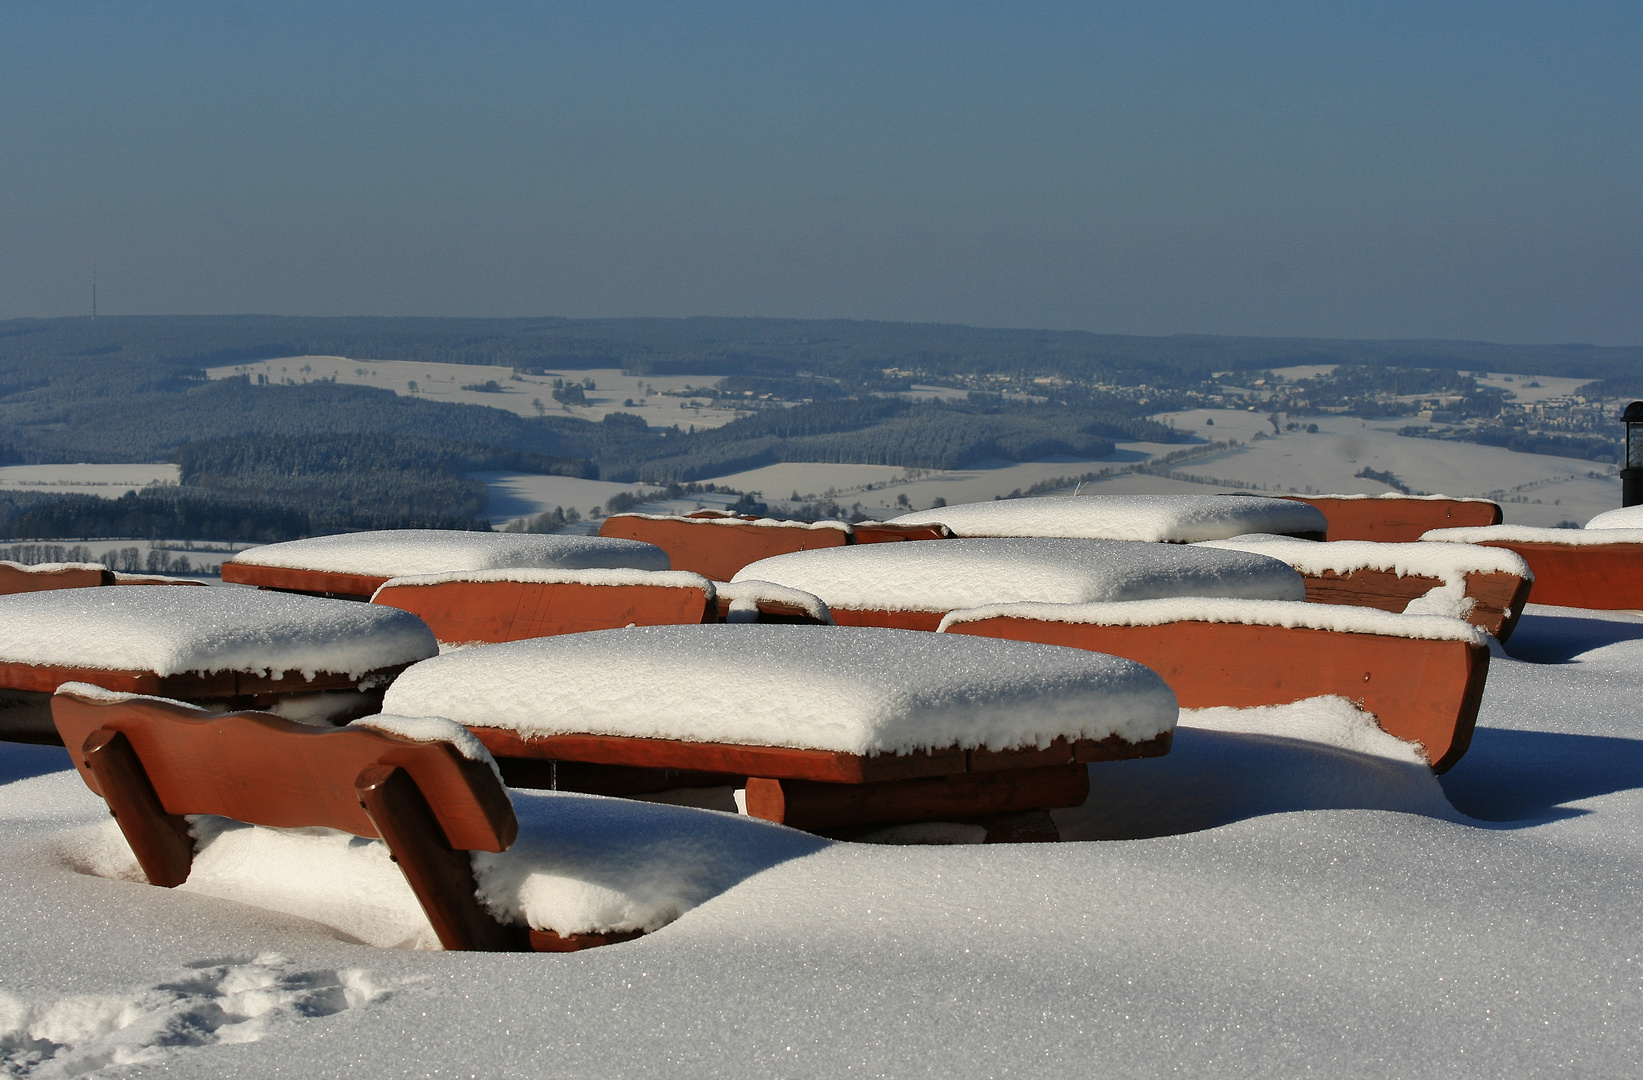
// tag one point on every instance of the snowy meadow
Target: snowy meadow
(1288, 892)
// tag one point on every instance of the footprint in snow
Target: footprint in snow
(236, 1000)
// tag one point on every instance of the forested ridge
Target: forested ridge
(264, 462)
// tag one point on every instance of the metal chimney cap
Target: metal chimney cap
(1633, 413)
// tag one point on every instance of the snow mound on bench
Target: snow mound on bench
(1446, 562)
(1625, 517)
(581, 864)
(940, 575)
(1170, 518)
(737, 519)
(50, 567)
(1340, 618)
(661, 579)
(1398, 495)
(1532, 534)
(168, 631)
(432, 729)
(401, 552)
(851, 689)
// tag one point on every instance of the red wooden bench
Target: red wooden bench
(154, 762)
(353, 566)
(717, 547)
(1398, 519)
(1572, 567)
(1242, 653)
(554, 710)
(1487, 588)
(229, 648)
(17, 578)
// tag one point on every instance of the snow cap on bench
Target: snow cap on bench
(172, 631)
(853, 690)
(402, 552)
(1180, 519)
(1446, 562)
(941, 575)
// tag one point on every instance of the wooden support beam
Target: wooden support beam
(440, 876)
(817, 807)
(160, 840)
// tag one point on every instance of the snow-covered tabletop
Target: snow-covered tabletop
(168, 630)
(1166, 518)
(1624, 517)
(400, 552)
(847, 689)
(941, 575)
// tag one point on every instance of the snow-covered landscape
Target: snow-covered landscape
(1288, 892)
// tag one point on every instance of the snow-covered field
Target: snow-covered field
(612, 391)
(109, 481)
(1287, 893)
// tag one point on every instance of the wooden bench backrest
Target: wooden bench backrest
(1398, 521)
(462, 611)
(715, 550)
(14, 580)
(265, 770)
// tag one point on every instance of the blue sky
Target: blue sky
(1387, 170)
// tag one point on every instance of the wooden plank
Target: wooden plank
(772, 611)
(815, 807)
(313, 582)
(1398, 521)
(828, 766)
(895, 620)
(878, 532)
(261, 769)
(1423, 691)
(1605, 577)
(17, 580)
(1498, 597)
(492, 611)
(441, 876)
(1363, 587)
(718, 551)
(159, 839)
(188, 685)
(549, 941)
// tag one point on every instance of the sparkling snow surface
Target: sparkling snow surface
(859, 690)
(1172, 518)
(941, 575)
(1305, 902)
(1625, 517)
(402, 552)
(167, 629)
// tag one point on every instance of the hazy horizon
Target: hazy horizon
(1292, 170)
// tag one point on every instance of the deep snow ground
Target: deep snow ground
(1332, 912)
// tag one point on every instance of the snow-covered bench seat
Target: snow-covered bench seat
(490, 606)
(44, 577)
(716, 545)
(826, 729)
(1485, 586)
(352, 566)
(1395, 518)
(236, 648)
(1421, 676)
(1596, 567)
(485, 876)
(1173, 519)
(911, 586)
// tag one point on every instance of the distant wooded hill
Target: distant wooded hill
(266, 461)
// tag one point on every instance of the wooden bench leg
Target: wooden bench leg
(817, 807)
(441, 877)
(161, 841)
